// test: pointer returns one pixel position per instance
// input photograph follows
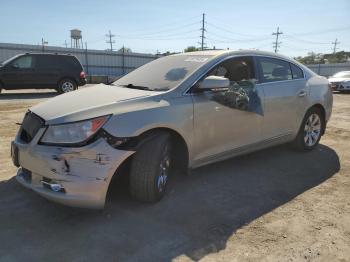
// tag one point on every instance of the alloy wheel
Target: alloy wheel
(67, 87)
(163, 170)
(312, 130)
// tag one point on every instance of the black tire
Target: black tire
(302, 142)
(66, 85)
(146, 176)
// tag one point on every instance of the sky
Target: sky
(154, 25)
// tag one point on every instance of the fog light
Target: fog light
(52, 185)
(56, 187)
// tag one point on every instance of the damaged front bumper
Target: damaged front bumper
(80, 176)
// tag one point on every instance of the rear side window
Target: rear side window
(272, 70)
(46, 61)
(23, 62)
(296, 71)
(70, 61)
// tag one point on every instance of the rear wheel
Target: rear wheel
(310, 131)
(150, 169)
(66, 85)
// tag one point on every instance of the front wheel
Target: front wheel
(66, 85)
(150, 169)
(310, 131)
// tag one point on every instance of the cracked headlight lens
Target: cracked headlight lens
(73, 133)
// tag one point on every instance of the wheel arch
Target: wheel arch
(181, 153)
(180, 146)
(178, 142)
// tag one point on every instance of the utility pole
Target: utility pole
(203, 45)
(276, 44)
(65, 43)
(43, 43)
(86, 59)
(110, 41)
(123, 61)
(335, 43)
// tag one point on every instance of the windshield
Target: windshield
(342, 74)
(8, 60)
(164, 73)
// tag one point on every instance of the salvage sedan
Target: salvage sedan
(176, 113)
(340, 81)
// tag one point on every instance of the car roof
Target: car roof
(47, 54)
(224, 53)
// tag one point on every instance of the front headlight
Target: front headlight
(73, 133)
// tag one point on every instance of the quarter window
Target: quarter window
(273, 70)
(23, 62)
(296, 71)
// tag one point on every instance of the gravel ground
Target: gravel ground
(272, 205)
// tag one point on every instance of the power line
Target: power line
(276, 44)
(306, 41)
(166, 26)
(176, 28)
(203, 44)
(330, 30)
(228, 31)
(156, 37)
(110, 41)
(335, 43)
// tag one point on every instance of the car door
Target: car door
(229, 119)
(284, 96)
(47, 70)
(19, 73)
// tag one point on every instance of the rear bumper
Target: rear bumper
(84, 173)
(82, 81)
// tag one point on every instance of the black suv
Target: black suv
(62, 72)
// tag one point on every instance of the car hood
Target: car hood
(87, 103)
(338, 79)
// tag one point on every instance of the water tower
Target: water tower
(76, 39)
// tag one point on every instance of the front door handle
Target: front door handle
(302, 93)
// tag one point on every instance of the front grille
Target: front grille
(30, 126)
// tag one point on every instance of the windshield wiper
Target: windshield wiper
(137, 87)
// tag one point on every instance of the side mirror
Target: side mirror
(214, 82)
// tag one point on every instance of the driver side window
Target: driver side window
(241, 93)
(235, 69)
(23, 62)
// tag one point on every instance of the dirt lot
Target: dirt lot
(273, 205)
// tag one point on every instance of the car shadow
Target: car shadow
(34, 95)
(197, 216)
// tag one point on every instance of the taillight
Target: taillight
(331, 87)
(82, 74)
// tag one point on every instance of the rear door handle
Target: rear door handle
(302, 93)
